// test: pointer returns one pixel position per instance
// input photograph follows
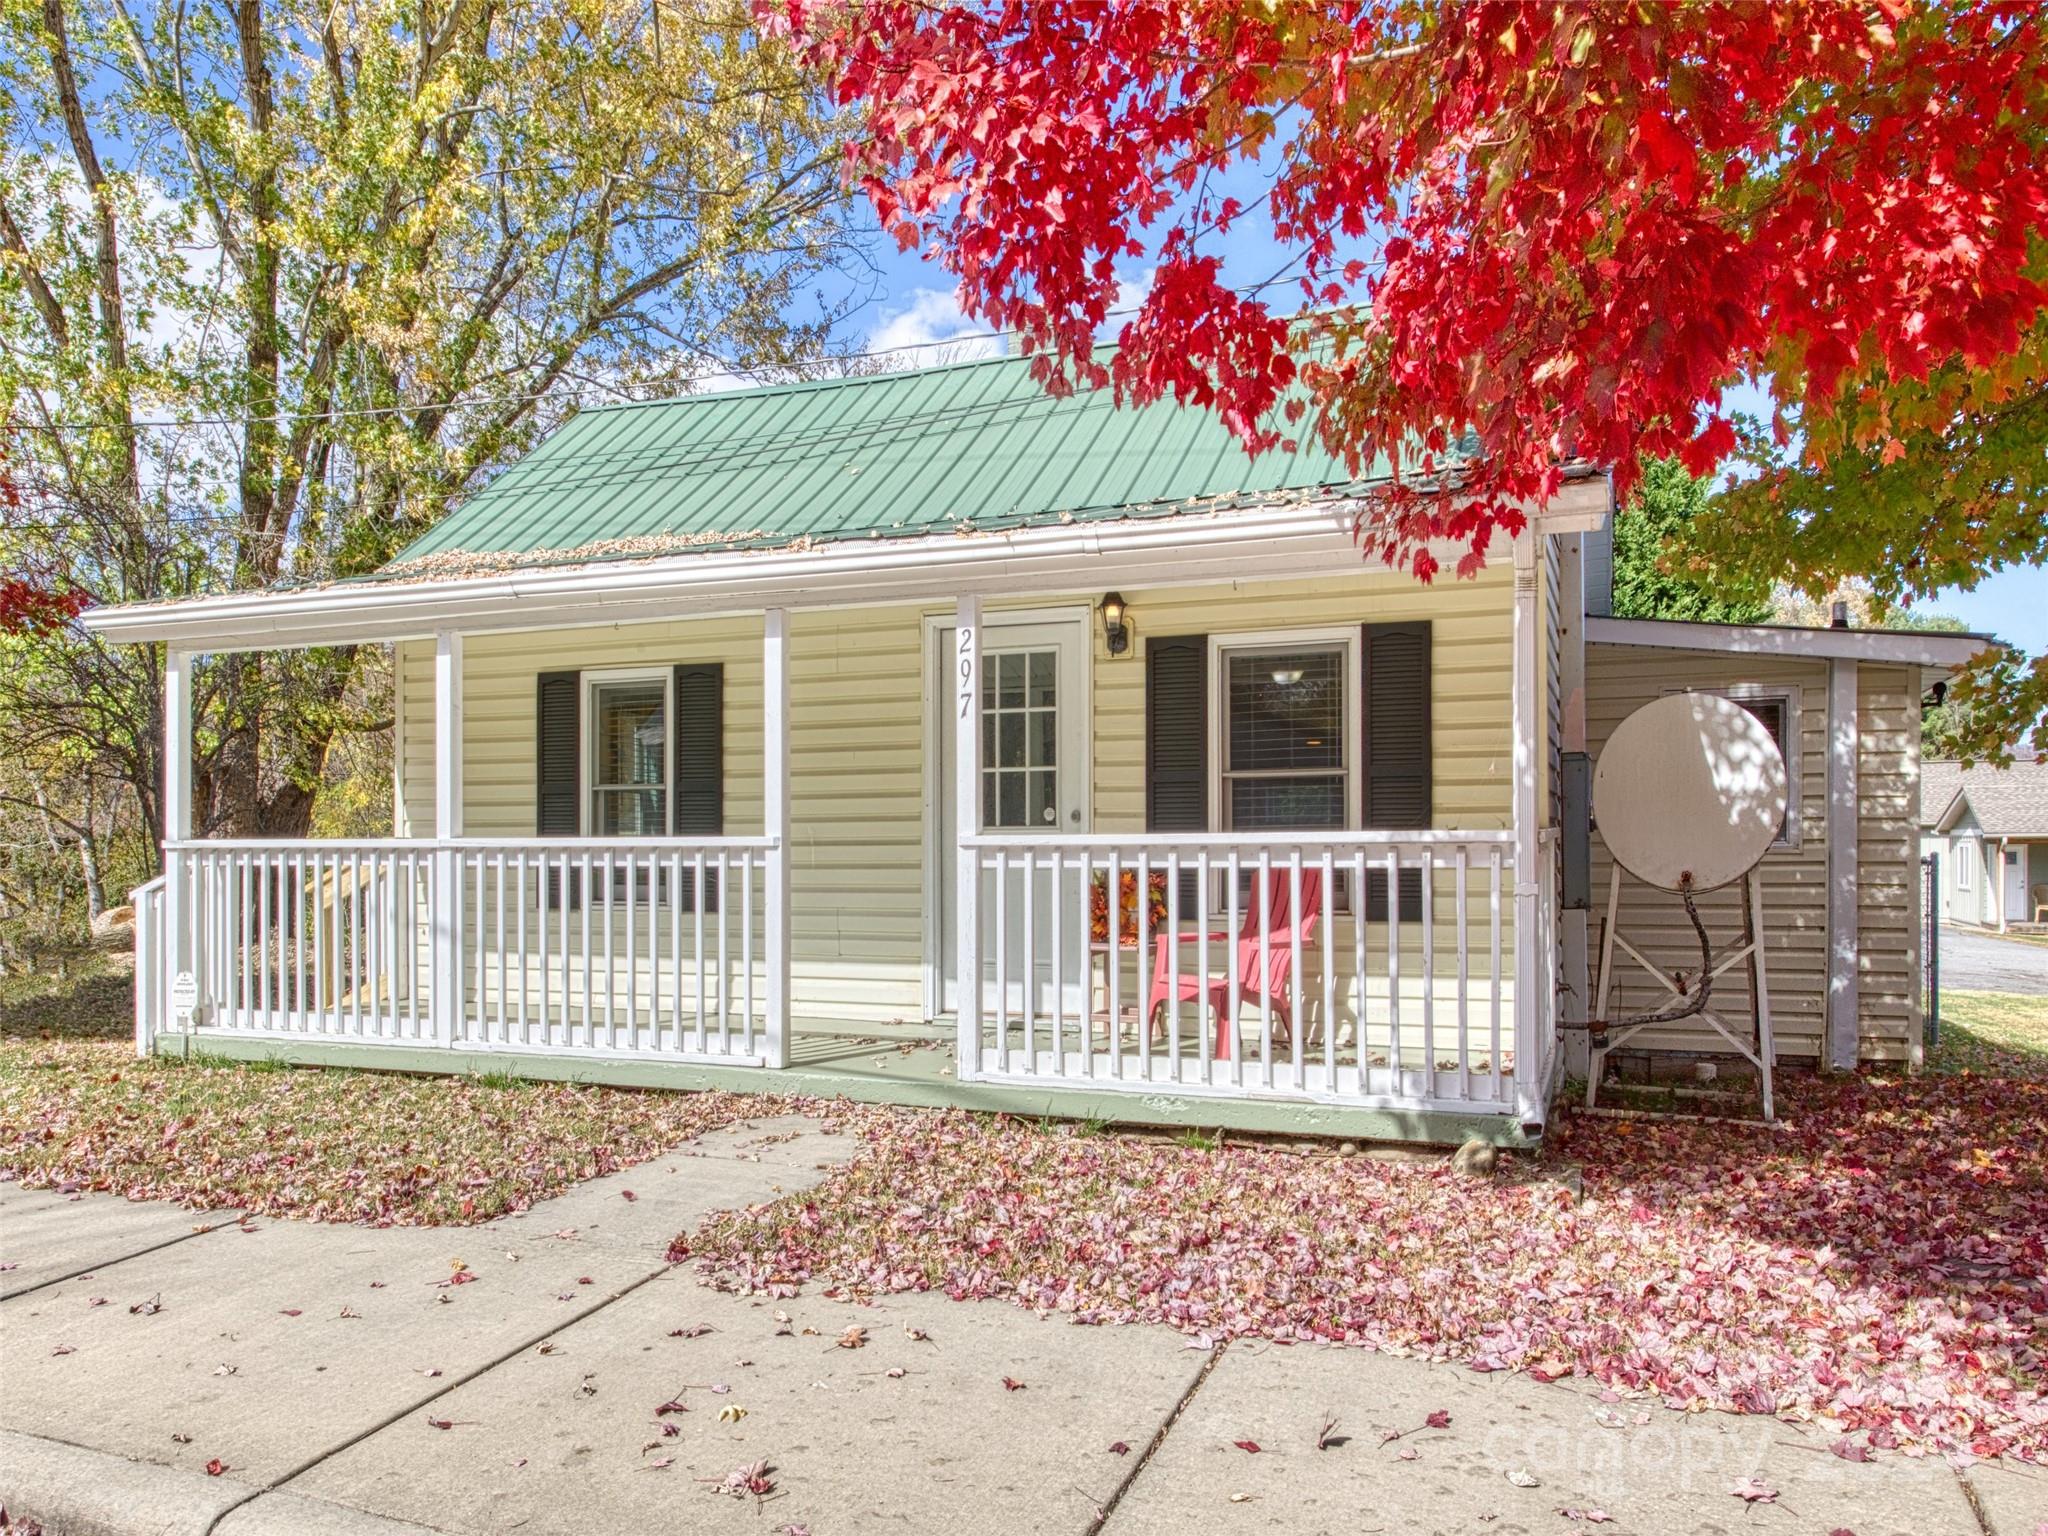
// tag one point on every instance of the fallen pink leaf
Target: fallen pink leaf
(1247, 1445)
(1753, 1491)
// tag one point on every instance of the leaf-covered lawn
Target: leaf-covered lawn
(1879, 1263)
(321, 1144)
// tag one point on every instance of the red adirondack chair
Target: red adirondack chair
(1252, 985)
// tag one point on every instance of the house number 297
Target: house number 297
(966, 669)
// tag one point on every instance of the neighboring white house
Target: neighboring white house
(1988, 826)
(690, 700)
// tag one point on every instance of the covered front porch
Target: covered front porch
(1387, 965)
(1262, 979)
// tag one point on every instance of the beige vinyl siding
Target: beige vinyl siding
(1619, 679)
(859, 724)
(1887, 861)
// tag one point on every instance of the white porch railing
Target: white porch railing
(1402, 993)
(648, 948)
(1407, 1004)
(657, 947)
(150, 982)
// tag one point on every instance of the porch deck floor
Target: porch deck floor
(907, 1066)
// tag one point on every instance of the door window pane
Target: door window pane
(1020, 740)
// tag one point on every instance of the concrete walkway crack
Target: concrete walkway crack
(94, 1269)
(1159, 1435)
(399, 1415)
(1976, 1504)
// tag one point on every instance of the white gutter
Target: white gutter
(1925, 648)
(1262, 542)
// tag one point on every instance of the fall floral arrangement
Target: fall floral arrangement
(1127, 906)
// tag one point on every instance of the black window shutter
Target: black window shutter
(1177, 741)
(558, 736)
(698, 794)
(1395, 756)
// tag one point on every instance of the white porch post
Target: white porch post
(1532, 1011)
(445, 1001)
(1572, 926)
(1844, 737)
(775, 823)
(966, 818)
(179, 952)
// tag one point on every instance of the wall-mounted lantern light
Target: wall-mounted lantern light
(1116, 633)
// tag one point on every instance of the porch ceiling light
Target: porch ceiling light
(1116, 633)
(1287, 677)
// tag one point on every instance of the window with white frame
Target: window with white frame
(629, 743)
(1285, 718)
(1777, 711)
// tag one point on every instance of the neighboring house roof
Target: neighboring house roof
(977, 446)
(2006, 802)
(1940, 778)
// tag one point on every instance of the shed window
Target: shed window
(629, 747)
(1777, 710)
(1965, 857)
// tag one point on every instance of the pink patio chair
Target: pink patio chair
(1252, 986)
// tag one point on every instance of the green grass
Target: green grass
(1994, 1034)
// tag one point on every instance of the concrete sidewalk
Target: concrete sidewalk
(344, 1385)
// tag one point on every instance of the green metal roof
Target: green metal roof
(974, 444)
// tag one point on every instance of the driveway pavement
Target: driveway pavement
(1986, 962)
(170, 1373)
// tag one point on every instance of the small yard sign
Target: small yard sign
(184, 998)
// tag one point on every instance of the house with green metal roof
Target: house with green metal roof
(924, 737)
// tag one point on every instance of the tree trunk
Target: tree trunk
(89, 866)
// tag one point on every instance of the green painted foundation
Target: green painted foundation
(913, 1072)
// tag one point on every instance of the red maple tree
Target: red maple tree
(28, 606)
(1526, 235)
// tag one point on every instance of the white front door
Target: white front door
(1034, 777)
(2015, 908)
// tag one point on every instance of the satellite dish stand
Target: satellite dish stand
(1758, 1049)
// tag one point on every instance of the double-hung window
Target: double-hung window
(1287, 721)
(630, 744)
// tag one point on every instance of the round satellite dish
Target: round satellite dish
(1690, 784)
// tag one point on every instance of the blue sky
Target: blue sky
(912, 307)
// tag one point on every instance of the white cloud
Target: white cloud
(929, 330)
(1130, 294)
